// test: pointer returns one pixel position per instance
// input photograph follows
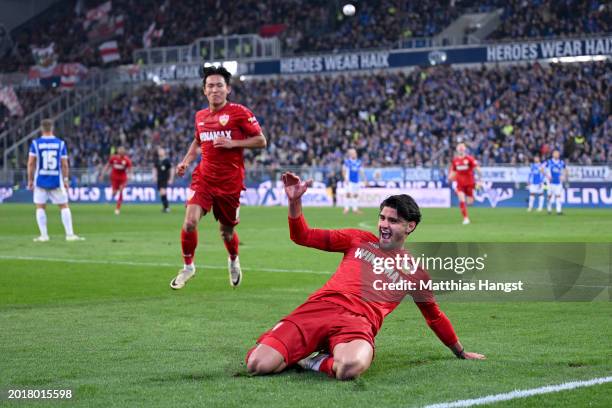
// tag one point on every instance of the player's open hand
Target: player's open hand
(468, 355)
(30, 185)
(181, 168)
(223, 142)
(294, 187)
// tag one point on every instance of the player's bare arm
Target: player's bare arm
(31, 170)
(65, 171)
(256, 142)
(104, 171)
(191, 155)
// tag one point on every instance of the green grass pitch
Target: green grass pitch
(99, 317)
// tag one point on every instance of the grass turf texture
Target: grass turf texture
(108, 326)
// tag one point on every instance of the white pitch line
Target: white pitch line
(153, 264)
(489, 399)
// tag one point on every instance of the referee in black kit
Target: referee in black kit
(164, 176)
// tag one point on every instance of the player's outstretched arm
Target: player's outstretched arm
(299, 231)
(295, 189)
(442, 327)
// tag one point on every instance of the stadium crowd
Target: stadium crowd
(302, 26)
(549, 18)
(504, 114)
(30, 100)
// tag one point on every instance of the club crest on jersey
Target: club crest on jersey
(223, 119)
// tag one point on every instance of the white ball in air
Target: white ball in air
(348, 9)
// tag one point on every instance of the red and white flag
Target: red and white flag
(8, 97)
(150, 34)
(109, 51)
(71, 74)
(97, 13)
(107, 28)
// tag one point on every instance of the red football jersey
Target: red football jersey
(119, 165)
(464, 168)
(355, 285)
(222, 170)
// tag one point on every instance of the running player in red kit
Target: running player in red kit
(462, 171)
(119, 163)
(222, 132)
(342, 318)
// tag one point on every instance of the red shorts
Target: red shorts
(468, 190)
(226, 208)
(118, 183)
(316, 326)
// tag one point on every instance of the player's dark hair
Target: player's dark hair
(205, 72)
(405, 206)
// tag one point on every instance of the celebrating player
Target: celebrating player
(342, 318)
(48, 176)
(120, 164)
(557, 174)
(536, 184)
(222, 132)
(164, 176)
(352, 171)
(462, 171)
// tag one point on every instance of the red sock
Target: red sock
(463, 209)
(119, 200)
(232, 246)
(327, 367)
(189, 242)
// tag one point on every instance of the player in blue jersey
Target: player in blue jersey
(536, 183)
(557, 175)
(48, 177)
(352, 172)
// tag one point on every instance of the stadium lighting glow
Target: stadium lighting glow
(583, 58)
(231, 66)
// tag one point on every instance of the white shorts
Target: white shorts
(555, 189)
(56, 195)
(352, 188)
(536, 188)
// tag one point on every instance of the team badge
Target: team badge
(223, 119)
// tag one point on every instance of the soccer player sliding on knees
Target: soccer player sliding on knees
(340, 320)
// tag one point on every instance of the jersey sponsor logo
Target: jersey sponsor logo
(223, 119)
(462, 167)
(120, 166)
(209, 136)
